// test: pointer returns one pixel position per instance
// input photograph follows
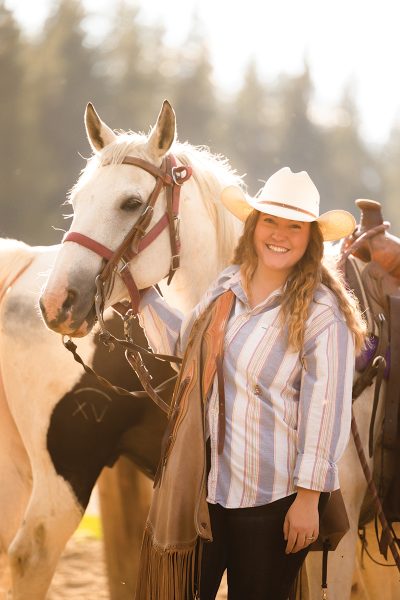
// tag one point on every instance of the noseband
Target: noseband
(169, 176)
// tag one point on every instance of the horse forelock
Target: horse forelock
(211, 172)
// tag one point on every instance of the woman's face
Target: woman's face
(280, 243)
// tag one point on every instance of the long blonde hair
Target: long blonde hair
(311, 270)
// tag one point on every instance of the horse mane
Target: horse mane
(212, 172)
(14, 257)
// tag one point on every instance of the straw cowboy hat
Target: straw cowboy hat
(290, 196)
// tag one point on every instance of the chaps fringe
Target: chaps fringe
(168, 574)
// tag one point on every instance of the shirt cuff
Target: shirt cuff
(316, 473)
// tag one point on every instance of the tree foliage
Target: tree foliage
(47, 81)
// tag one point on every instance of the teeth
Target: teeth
(277, 248)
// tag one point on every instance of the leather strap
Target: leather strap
(390, 425)
(387, 539)
(150, 168)
(213, 345)
(87, 242)
(221, 403)
(173, 197)
(154, 393)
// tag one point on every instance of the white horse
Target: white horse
(43, 496)
(54, 439)
(28, 394)
(106, 202)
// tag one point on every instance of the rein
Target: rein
(168, 176)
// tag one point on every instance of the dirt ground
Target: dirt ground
(81, 573)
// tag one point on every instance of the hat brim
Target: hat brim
(334, 224)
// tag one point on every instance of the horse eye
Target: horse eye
(131, 203)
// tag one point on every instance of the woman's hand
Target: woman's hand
(301, 526)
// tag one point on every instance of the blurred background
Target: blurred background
(312, 84)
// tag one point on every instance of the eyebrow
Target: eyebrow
(267, 216)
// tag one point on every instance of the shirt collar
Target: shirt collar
(234, 283)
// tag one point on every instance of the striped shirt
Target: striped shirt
(287, 413)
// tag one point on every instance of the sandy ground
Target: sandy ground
(81, 573)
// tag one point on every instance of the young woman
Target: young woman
(262, 406)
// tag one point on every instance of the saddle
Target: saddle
(383, 248)
(377, 286)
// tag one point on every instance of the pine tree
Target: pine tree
(135, 63)
(62, 79)
(352, 170)
(251, 134)
(193, 92)
(302, 143)
(389, 162)
(11, 126)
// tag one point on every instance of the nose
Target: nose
(278, 234)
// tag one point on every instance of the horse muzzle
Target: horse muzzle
(69, 317)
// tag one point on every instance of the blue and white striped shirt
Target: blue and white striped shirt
(287, 413)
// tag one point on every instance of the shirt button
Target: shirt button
(257, 390)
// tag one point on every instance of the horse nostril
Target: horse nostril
(70, 299)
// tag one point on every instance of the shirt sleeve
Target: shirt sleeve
(166, 328)
(324, 417)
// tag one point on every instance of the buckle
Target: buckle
(176, 226)
(180, 174)
(124, 264)
(175, 261)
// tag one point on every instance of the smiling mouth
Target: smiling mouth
(277, 249)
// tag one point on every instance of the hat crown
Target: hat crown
(291, 189)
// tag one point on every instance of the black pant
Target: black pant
(249, 543)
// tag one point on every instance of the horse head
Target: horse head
(126, 222)
(107, 201)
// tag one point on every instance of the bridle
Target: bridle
(168, 176)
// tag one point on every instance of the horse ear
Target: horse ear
(98, 133)
(163, 133)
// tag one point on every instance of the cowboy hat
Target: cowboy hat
(290, 196)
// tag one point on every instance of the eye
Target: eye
(131, 203)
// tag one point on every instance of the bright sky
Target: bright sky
(345, 42)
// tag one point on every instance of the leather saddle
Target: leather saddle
(377, 285)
